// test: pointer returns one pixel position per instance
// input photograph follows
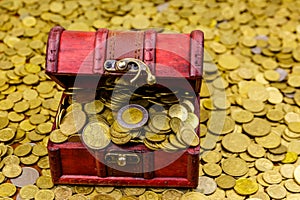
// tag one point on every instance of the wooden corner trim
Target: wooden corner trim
(53, 48)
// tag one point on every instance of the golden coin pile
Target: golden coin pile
(169, 128)
(249, 111)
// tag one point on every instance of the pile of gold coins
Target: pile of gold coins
(249, 107)
(164, 123)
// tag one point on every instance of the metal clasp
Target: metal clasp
(122, 159)
(130, 64)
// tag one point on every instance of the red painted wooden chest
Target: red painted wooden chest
(83, 62)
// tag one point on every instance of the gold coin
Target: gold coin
(292, 186)
(171, 194)
(73, 122)
(297, 174)
(39, 150)
(194, 196)
(153, 137)
(28, 191)
(272, 140)
(62, 192)
(228, 62)
(263, 164)
(83, 189)
(212, 169)
(192, 120)
(241, 116)
(134, 191)
(12, 170)
(276, 191)
(93, 107)
(236, 142)
(96, 135)
(290, 157)
(212, 156)
(132, 116)
(161, 122)
(7, 190)
(77, 197)
(257, 127)
(189, 137)
(44, 195)
(148, 195)
(57, 136)
(256, 150)
(122, 140)
(175, 124)
(44, 182)
(245, 186)
(178, 111)
(234, 166)
(6, 134)
(102, 197)
(225, 181)
(272, 177)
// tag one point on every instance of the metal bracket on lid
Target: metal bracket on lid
(130, 65)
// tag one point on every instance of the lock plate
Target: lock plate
(122, 159)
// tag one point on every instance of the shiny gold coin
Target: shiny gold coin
(7, 190)
(131, 191)
(290, 157)
(263, 164)
(161, 122)
(77, 197)
(57, 136)
(228, 62)
(194, 196)
(178, 111)
(225, 181)
(94, 107)
(234, 166)
(7, 134)
(132, 116)
(44, 194)
(148, 195)
(28, 191)
(83, 189)
(176, 124)
(236, 142)
(192, 120)
(297, 174)
(122, 140)
(73, 122)
(189, 137)
(153, 137)
(102, 197)
(276, 191)
(272, 177)
(245, 186)
(12, 170)
(212, 169)
(62, 192)
(257, 127)
(44, 182)
(96, 135)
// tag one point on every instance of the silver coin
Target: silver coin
(206, 185)
(137, 125)
(28, 176)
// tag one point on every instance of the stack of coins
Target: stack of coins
(171, 125)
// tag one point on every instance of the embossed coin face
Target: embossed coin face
(132, 116)
(96, 135)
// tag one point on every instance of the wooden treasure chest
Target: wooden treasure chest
(129, 115)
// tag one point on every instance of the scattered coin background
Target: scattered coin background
(255, 46)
